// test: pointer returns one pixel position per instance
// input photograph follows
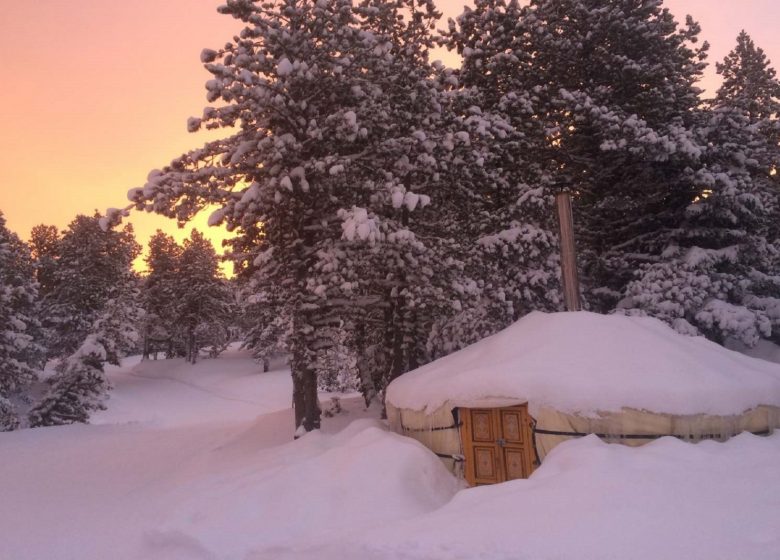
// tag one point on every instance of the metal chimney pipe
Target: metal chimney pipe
(569, 278)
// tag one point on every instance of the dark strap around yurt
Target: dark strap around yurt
(456, 457)
(433, 429)
(544, 432)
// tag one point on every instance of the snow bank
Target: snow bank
(139, 492)
(584, 363)
(317, 488)
(595, 501)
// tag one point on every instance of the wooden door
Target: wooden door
(497, 444)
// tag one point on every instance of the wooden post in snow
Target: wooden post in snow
(569, 278)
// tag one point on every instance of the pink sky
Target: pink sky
(96, 93)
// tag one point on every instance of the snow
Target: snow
(311, 489)
(357, 225)
(173, 393)
(595, 501)
(91, 346)
(585, 363)
(284, 67)
(397, 198)
(216, 217)
(198, 462)
(208, 55)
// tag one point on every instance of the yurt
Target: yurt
(493, 410)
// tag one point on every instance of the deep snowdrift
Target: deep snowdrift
(314, 489)
(585, 363)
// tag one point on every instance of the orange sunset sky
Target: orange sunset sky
(96, 93)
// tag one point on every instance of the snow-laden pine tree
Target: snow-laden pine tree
(336, 149)
(719, 275)
(92, 267)
(264, 321)
(44, 243)
(21, 354)
(503, 223)
(750, 86)
(203, 304)
(79, 386)
(160, 291)
(604, 93)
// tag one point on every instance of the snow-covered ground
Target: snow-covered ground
(199, 463)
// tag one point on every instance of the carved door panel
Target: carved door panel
(514, 422)
(496, 444)
(484, 449)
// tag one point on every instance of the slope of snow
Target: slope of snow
(131, 492)
(319, 487)
(185, 467)
(596, 501)
(585, 362)
(175, 393)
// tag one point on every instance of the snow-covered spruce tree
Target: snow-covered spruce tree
(20, 353)
(160, 291)
(203, 303)
(336, 117)
(719, 276)
(605, 93)
(119, 326)
(504, 224)
(91, 269)
(264, 314)
(44, 243)
(264, 320)
(79, 386)
(750, 86)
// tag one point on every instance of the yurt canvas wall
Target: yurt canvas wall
(439, 431)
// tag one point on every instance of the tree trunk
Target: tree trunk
(299, 403)
(192, 351)
(305, 398)
(313, 414)
(367, 386)
(414, 343)
(399, 346)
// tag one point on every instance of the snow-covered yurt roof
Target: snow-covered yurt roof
(586, 363)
